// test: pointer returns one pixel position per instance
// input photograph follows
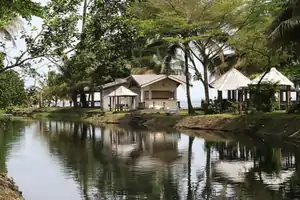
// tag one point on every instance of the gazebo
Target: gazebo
(122, 98)
(232, 81)
(275, 77)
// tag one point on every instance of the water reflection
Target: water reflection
(81, 161)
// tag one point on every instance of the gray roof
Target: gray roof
(114, 83)
(144, 80)
(274, 76)
(122, 92)
(231, 80)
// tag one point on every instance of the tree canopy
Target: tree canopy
(12, 91)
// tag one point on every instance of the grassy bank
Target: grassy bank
(277, 123)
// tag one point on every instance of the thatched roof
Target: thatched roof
(231, 80)
(122, 92)
(274, 76)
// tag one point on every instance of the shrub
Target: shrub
(263, 97)
(213, 107)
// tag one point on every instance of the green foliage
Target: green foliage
(212, 107)
(100, 49)
(12, 91)
(263, 97)
(234, 106)
(9, 10)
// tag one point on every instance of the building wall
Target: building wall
(160, 104)
(164, 85)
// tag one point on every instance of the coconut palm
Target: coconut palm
(155, 56)
(285, 29)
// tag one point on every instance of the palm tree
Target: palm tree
(285, 29)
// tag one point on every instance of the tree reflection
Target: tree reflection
(10, 132)
(190, 191)
(115, 163)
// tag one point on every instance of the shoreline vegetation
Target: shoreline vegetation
(275, 123)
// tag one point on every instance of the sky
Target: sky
(197, 90)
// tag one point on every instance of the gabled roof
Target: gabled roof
(122, 92)
(231, 80)
(145, 80)
(274, 76)
(114, 83)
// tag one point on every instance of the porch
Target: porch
(158, 99)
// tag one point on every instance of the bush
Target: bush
(263, 98)
(294, 108)
(213, 107)
(9, 109)
(234, 106)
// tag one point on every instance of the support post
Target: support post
(220, 99)
(142, 95)
(279, 100)
(245, 100)
(150, 93)
(110, 104)
(234, 96)
(287, 94)
(229, 94)
(240, 100)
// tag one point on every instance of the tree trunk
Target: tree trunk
(206, 86)
(56, 101)
(93, 99)
(74, 99)
(187, 76)
(101, 100)
(83, 101)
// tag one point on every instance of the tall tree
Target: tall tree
(99, 49)
(12, 90)
(11, 10)
(284, 31)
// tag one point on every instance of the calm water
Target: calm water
(71, 161)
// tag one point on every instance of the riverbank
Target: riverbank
(8, 189)
(277, 123)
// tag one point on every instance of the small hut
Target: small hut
(122, 99)
(232, 81)
(275, 77)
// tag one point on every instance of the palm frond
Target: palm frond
(171, 53)
(286, 32)
(7, 32)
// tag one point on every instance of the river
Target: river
(73, 161)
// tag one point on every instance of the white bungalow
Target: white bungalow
(152, 91)
(233, 82)
(274, 76)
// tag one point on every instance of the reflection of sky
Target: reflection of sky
(41, 174)
(38, 174)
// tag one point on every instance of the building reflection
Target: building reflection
(115, 163)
